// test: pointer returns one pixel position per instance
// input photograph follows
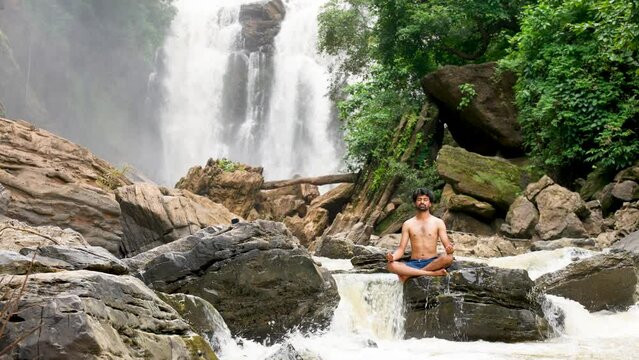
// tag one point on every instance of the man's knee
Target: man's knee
(392, 267)
(447, 259)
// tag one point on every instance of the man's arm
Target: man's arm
(397, 254)
(443, 237)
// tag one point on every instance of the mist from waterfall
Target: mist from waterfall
(267, 107)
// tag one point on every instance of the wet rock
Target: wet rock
(474, 303)
(601, 282)
(202, 316)
(590, 244)
(85, 314)
(256, 274)
(261, 22)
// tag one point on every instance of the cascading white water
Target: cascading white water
(367, 323)
(262, 107)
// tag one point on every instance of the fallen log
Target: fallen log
(318, 180)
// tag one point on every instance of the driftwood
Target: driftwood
(318, 180)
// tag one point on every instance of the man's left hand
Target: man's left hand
(450, 248)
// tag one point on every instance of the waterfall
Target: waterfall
(264, 107)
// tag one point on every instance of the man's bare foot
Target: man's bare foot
(440, 272)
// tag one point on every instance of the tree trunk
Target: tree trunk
(318, 180)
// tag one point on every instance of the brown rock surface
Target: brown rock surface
(55, 182)
(236, 188)
(153, 215)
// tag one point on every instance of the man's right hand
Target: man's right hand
(389, 257)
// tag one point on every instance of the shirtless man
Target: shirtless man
(423, 230)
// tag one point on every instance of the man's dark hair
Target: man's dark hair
(423, 191)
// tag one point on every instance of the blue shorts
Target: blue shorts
(419, 263)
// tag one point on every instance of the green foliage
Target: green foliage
(414, 37)
(468, 94)
(578, 87)
(228, 165)
(111, 179)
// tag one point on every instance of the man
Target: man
(423, 230)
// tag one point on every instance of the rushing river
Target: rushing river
(368, 324)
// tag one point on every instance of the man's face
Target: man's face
(422, 203)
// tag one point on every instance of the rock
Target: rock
(310, 227)
(627, 218)
(533, 189)
(236, 188)
(5, 198)
(55, 182)
(609, 203)
(16, 235)
(390, 242)
(560, 211)
(394, 220)
(489, 179)
(471, 206)
(201, 316)
(14, 263)
(261, 263)
(627, 190)
(594, 223)
(630, 173)
(261, 23)
(278, 207)
(372, 263)
(335, 247)
(488, 125)
(601, 282)
(335, 199)
(474, 303)
(456, 221)
(629, 243)
(154, 215)
(92, 258)
(521, 218)
(85, 314)
(590, 244)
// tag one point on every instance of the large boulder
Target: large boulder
(261, 22)
(488, 124)
(601, 282)
(560, 213)
(490, 179)
(629, 243)
(256, 274)
(235, 186)
(55, 182)
(474, 303)
(627, 218)
(90, 315)
(153, 215)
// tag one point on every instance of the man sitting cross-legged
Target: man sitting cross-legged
(423, 230)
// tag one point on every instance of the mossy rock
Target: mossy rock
(491, 179)
(595, 182)
(393, 222)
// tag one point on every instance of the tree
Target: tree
(578, 87)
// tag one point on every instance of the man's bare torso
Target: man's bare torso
(423, 236)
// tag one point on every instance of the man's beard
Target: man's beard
(422, 208)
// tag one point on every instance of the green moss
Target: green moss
(199, 348)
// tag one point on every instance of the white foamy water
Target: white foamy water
(265, 107)
(368, 321)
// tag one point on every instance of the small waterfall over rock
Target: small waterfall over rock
(242, 79)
